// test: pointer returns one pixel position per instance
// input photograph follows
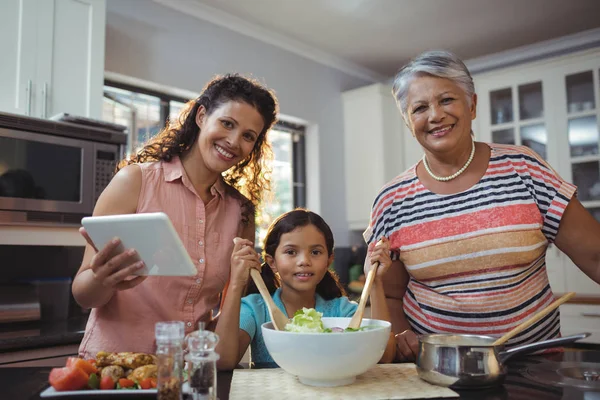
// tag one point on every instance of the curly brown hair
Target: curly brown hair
(250, 177)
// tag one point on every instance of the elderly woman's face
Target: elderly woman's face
(438, 112)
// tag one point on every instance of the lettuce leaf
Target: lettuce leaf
(306, 320)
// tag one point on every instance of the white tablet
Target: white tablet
(152, 235)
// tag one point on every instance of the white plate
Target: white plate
(50, 392)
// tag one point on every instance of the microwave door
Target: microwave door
(45, 173)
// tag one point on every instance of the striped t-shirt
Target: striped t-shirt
(476, 259)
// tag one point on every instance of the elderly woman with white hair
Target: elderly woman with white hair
(469, 224)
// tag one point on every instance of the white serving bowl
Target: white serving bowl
(328, 359)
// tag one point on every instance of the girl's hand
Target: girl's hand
(113, 264)
(243, 258)
(381, 254)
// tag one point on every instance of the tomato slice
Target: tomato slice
(82, 364)
(126, 383)
(68, 378)
(146, 383)
(107, 383)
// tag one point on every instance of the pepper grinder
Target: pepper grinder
(202, 364)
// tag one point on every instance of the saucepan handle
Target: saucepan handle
(526, 348)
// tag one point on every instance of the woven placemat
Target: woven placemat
(383, 381)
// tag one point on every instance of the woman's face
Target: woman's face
(301, 258)
(227, 135)
(439, 114)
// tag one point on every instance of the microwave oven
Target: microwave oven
(53, 172)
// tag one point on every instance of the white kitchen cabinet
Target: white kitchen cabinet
(552, 106)
(578, 318)
(53, 57)
(17, 69)
(377, 147)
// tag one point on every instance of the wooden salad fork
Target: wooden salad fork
(366, 292)
(358, 315)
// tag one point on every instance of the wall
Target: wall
(148, 41)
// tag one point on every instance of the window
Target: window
(287, 182)
(146, 112)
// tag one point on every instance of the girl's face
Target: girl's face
(439, 114)
(301, 259)
(227, 136)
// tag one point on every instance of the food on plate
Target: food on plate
(80, 363)
(126, 360)
(115, 372)
(107, 383)
(68, 378)
(143, 372)
(308, 320)
(128, 371)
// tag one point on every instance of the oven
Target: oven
(53, 172)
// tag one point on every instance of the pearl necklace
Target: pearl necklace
(454, 175)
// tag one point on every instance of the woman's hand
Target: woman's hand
(407, 346)
(243, 258)
(381, 254)
(112, 265)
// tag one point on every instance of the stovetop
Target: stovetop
(572, 375)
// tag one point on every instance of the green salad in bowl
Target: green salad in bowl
(320, 352)
(309, 320)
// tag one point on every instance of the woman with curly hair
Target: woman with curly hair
(207, 171)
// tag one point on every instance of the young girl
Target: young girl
(298, 251)
(205, 171)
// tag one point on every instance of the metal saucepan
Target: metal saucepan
(471, 361)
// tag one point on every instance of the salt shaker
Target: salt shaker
(202, 364)
(169, 354)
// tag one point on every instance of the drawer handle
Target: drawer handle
(591, 315)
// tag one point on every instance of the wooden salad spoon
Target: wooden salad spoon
(533, 320)
(279, 319)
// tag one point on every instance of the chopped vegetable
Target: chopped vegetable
(306, 320)
(125, 383)
(93, 382)
(148, 383)
(107, 383)
(82, 364)
(68, 378)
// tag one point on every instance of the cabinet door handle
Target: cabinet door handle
(44, 99)
(28, 96)
(591, 315)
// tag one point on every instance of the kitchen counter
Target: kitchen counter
(27, 383)
(26, 335)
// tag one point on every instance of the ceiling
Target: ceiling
(380, 35)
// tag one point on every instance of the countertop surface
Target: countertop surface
(27, 383)
(17, 336)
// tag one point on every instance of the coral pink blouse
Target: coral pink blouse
(126, 322)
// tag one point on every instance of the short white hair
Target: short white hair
(437, 63)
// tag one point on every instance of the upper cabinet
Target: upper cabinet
(53, 57)
(551, 106)
(377, 148)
